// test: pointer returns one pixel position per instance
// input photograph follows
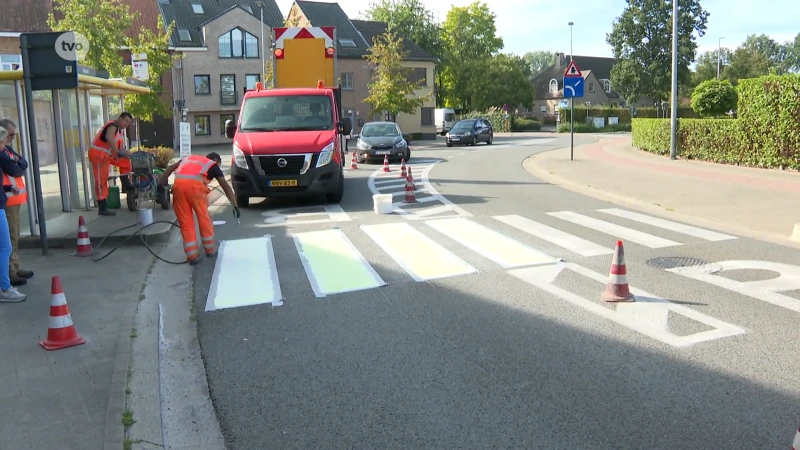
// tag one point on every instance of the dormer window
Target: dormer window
(553, 86)
(349, 43)
(184, 35)
(197, 8)
(238, 43)
(248, 8)
(607, 85)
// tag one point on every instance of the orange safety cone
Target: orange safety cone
(403, 173)
(84, 247)
(353, 162)
(411, 176)
(411, 195)
(61, 332)
(617, 289)
(796, 441)
(386, 164)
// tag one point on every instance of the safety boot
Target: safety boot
(103, 209)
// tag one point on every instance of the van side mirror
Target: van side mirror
(345, 126)
(230, 129)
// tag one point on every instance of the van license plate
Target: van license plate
(282, 183)
(382, 152)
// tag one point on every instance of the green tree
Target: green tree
(772, 51)
(747, 62)
(469, 37)
(714, 98)
(520, 62)
(159, 63)
(391, 90)
(538, 61)
(497, 81)
(642, 41)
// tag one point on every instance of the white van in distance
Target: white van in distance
(445, 119)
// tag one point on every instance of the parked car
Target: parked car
(381, 139)
(470, 132)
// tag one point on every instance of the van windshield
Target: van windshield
(450, 117)
(287, 113)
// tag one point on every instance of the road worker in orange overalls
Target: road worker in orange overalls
(108, 149)
(190, 195)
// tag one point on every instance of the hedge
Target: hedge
(495, 117)
(520, 124)
(624, 114)
(583, 127)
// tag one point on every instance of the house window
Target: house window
(347, 81)
(418, 76)
(184, 35)
(224, 118)
(553, 86)
(543, 109)
(591, 87)
(238, 43)
(607, 85)
(202, 125)
(248, 8)
(202, 85)
(197, 8)
(251, 80)
(227, 89)
(426, 116)
(349, 43)
(7, 62)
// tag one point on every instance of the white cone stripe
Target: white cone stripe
(796, 442)
(84, 241)
(617, 279)
(60, 321)
(58, 299)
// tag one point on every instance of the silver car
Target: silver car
(380, 139)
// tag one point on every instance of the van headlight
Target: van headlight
(239, 158)
(326, 155)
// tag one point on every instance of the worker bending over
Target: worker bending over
(190, 194)
(108, 149)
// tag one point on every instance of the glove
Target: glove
(124, 153)
(236, 213)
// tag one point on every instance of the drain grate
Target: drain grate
(673, 262)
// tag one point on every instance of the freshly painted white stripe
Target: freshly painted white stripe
(701, 233)
(245, 274)
(618, 231)
(337, 214)
(60, 321)
(333, 264)
(417, 254)
(58, 300)
(503, 250)
(433, 211)
(564, 240)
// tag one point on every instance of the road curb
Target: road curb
(531, 166)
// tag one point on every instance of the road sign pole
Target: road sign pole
(571, 128)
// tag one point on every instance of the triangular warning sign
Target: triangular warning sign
(572, 70)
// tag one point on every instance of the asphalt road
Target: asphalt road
(512, 347)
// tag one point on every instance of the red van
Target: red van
(289, 143)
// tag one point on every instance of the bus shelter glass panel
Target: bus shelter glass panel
(74, 178)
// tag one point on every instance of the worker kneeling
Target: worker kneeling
(190, 195)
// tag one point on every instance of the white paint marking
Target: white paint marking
(649, 315)
(433, 211)
(417, 254)
(701, 233)
(385, 182)
(557, 237)
(245, 274)
(298, 216)
(618, 231)
(501, 249)
(333, 264)
(764, 290)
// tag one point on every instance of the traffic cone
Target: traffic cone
(411, 177)
(411, 195)
(617, 289)
(403, 173)
(61, 332)
(84, 247)
(353, 162)
(796, 442)
(386, 164)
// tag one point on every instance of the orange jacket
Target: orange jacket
(17, 182)
(195, 168)
(99, 144)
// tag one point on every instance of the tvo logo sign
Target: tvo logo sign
(72, 46)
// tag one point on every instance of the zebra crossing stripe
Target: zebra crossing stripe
(658, 222)
(564, 240)
(245, 274)
(618, 231)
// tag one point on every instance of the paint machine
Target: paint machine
(144, 178)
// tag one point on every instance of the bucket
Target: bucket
(145, 216)
(382, 203)
(113, 197)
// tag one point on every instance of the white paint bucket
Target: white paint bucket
(145, 217)
(382, 203)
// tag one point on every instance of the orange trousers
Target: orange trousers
(189, 197)
(101, 163)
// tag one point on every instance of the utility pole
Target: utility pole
(673, 139)
(719, 56)
(571, 104)
(263, 54)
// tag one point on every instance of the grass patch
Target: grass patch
(127, 418)
(133, 333)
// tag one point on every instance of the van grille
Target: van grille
(269, 164)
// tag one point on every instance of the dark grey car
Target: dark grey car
(380, 139)
(470, 132)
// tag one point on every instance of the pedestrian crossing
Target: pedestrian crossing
(247, 271)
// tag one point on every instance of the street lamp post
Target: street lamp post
(719, 56)
(673, 139)
(261, 45)
(571, 102)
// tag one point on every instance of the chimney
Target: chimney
(558, 59)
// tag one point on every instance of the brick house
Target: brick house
(354, 39)
(219, 49)
(549, 86)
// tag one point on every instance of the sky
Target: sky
(530, 25)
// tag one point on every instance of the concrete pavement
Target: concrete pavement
(472, 319)
(753, 202)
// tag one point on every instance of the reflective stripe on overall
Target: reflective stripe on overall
(17, 182)
(194, 169)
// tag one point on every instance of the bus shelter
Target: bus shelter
(66, 122)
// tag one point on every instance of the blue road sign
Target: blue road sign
(573, 87)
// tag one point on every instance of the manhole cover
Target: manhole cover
(674, 262)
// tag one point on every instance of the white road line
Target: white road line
(618, 231)
(333, 264)
(245, 274)
(501, 249)
(565, 240)
(388, 182)
(701, 233)
(433, 211)
(421, 257)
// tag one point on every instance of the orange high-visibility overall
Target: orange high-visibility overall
(190, 194)
(102, 159)
(19, 182)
